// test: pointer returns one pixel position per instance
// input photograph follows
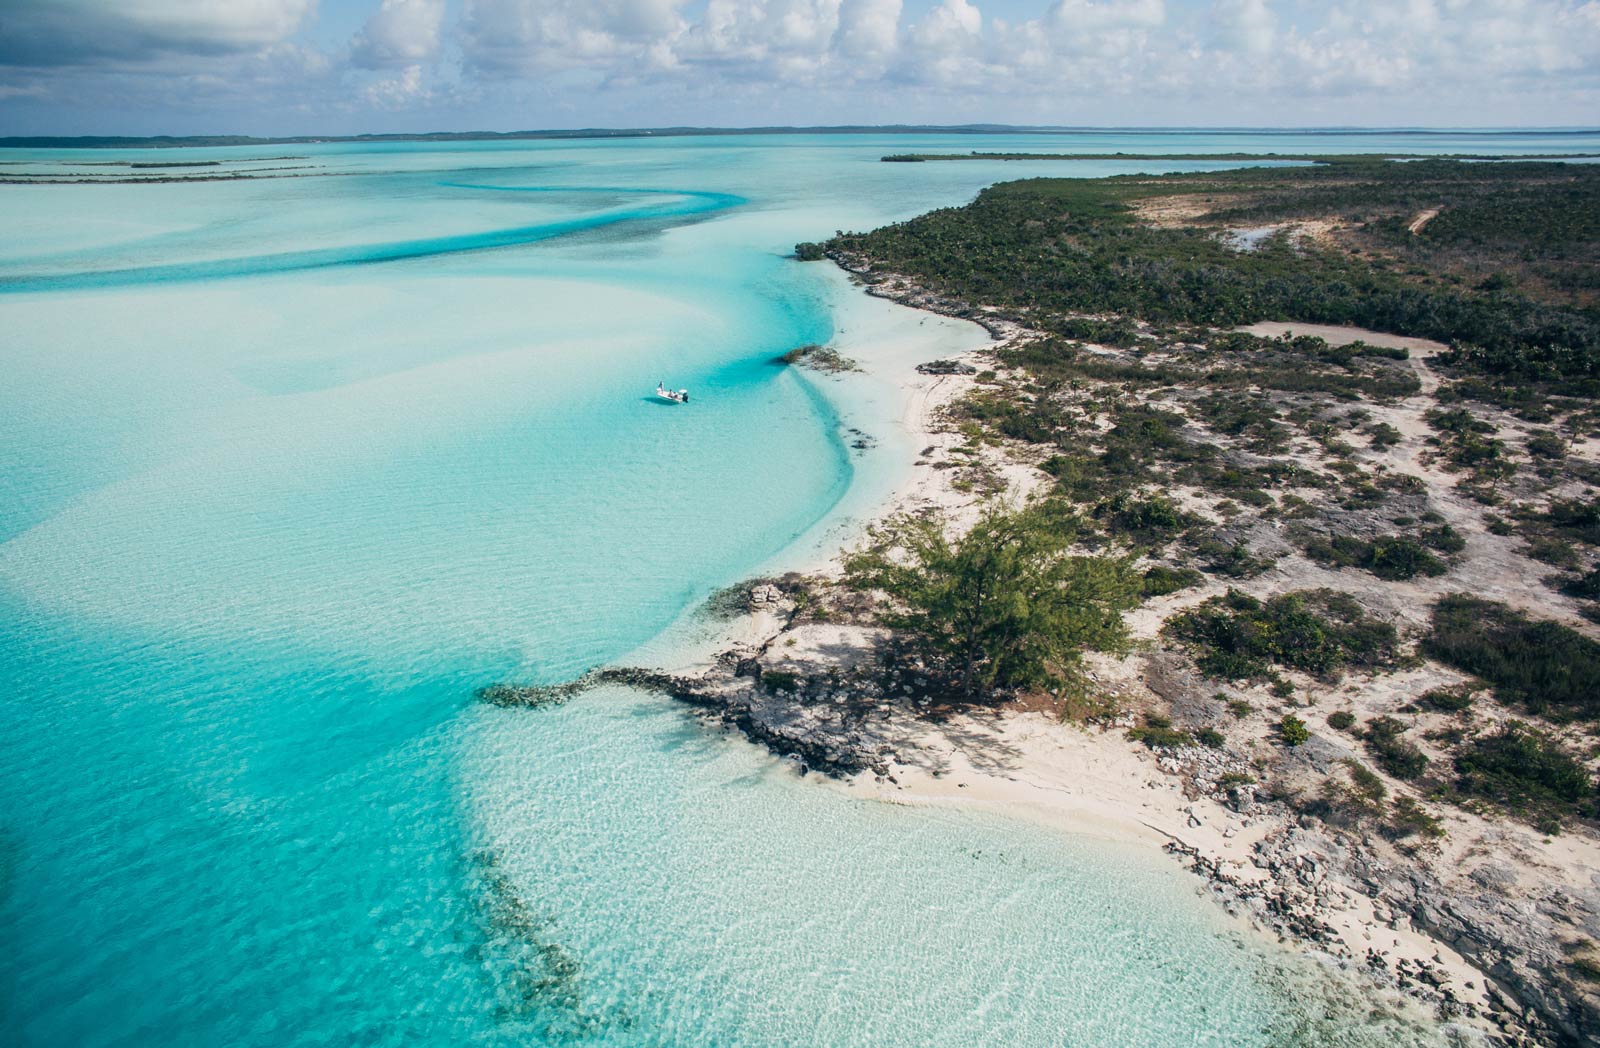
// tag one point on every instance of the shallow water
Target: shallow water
(292, 467)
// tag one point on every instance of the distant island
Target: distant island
(1311, 158)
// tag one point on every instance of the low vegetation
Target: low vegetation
(1157, 732)
(1394, 754)
(1237, 637)
(1527, 771)
(1392, 557)
(1503, 274)
(1293, 731)
(1542, 666)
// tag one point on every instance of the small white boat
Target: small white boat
(677, 396)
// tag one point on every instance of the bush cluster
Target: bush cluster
(1529, 772)
(1545, 667)
(1394, 754)
(1392, 557)
(1237, 637)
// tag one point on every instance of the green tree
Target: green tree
(1004, 605)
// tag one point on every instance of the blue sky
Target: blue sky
(271, 67)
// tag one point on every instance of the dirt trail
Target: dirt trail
(1422, 219)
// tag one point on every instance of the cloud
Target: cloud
(952, 26)
(1087, 16)
(52, 33)
(1249, 26)
(400, 91)
(511, 38)
(1421, 45)
(1187, 53)
(399, 33)
(868, 31)
(642, 61)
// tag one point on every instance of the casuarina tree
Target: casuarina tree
(1007, 604)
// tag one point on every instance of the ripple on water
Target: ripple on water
(697, 892)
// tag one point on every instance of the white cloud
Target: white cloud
(1087, 16)
(399, 33)
(501, 38)
(757, 32)
(869, 30)
(1069, 61)
(1244, 25)
(398, 91)
(953, 25)
(1441, 45)
(945, 47)
(46, 33)
(1071, 49)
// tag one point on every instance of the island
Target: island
(1269, 524)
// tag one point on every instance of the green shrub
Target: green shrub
(780, 680)
(1293, 731)
(1407, 818)
(1392, 557)
(1448, 700)
(1575, 519)
(1383, 435)
(1366, 780)
(1150, 520)
(1234, 561)
(1240, 708)
(1157, 731)
(1445, 539)
(1457, 421)
(1394, 754)
(1556, 552)
(809, 251)
(1584, 587)
(1340, 720)
(1008, 604)
(1548, 668)
(1547, 445)
(1160, 580)
(1527, 771)
(1399, 557)
(1060, 247)
(1236, 636)
(1211, 738)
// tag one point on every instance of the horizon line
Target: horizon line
(688, 130)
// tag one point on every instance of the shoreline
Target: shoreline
(1087, 781)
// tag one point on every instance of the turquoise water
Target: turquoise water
(293, 466)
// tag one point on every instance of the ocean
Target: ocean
(293, 466)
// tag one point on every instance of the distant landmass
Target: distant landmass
(177, 141)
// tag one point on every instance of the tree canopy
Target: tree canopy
(1004, 605)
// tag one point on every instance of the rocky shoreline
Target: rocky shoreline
(1301, 874)
(862, 720)
(1472, 929)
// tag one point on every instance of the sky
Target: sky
(323, 67)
